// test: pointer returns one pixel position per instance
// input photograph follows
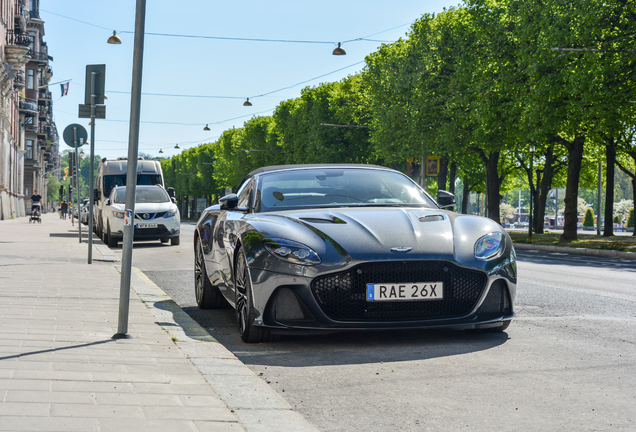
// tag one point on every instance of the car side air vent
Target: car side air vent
(431, 218)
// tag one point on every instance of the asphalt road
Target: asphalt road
(566, 363)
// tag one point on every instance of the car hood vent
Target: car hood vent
(332, 219)
(431, 218)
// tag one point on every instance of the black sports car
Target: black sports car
(350, 247)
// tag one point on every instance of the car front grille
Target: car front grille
(342, 296)
(140, 233)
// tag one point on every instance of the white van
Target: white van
(113, 173)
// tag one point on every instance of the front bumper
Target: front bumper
(165, 230)
(475, 300)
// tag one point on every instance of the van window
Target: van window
(120, 180)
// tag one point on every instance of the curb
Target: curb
(580, 251)
(258, 406)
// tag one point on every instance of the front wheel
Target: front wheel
(245, 305)
(207, 295)
(175, 241)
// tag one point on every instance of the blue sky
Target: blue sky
(218, 73)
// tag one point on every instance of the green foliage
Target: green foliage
(589, 218)
(617, 219)
(53, 188)
(630, 219)
(477, 84)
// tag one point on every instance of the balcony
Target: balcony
(28, 107)
(21, 13)
(44, 96)
(44, 112)
(16, 49)
(38, 57)
(18, 80)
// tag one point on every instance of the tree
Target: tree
(589, 218)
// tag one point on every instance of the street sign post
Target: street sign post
(75, 136)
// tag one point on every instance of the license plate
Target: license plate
(146, 225)
(417, 291)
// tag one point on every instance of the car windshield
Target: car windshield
(337, 187)
(143, 195)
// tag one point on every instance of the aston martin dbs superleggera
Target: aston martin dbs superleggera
(315, 248)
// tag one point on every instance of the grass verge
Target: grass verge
(590, 241)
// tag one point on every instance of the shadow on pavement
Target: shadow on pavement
(343, 348)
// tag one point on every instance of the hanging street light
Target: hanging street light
(339, 50)
(160, 151)
(247, 102)
(114, 39)
(206, 128)
(177, 146)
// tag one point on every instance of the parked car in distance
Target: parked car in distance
(350, 247)
(84, 211)
(156, 216)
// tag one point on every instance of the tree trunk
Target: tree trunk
(536, 222)
(452, 175)
(610, 155)
(442, 173)
(466, 196)
(544, 188)
(633, 177)
(492, 186)
(634, 198)
(575, 158)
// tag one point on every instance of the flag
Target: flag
(64, 88)
(65, 173)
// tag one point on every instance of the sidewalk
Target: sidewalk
(61, 371)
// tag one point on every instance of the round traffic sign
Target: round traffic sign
(75, 132)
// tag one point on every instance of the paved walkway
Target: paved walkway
(60, 370)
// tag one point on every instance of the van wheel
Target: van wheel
(175, 241)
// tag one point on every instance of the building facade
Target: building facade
(29, 144)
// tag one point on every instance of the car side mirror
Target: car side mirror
(171, 192)
(96, 195)
(107, 201)
(173, 199)
(445, 199)
(228, 202)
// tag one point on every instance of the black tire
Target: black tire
(208, 296)
(245, 305)
(175, 241)
(499, 329)
(112, 243)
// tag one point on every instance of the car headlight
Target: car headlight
(291, 251)
(169, 214)
(489, 246)
(118, 215)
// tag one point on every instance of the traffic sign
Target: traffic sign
(100, 78)
(70, 135)
(85, 111)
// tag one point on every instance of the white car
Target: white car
(156, 216)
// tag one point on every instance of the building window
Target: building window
(29, 149)
(31, 79)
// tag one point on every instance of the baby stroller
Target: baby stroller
(35, 213)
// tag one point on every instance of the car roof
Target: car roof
(303, 166)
